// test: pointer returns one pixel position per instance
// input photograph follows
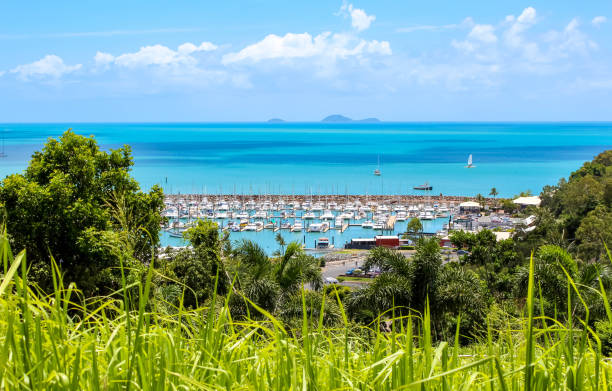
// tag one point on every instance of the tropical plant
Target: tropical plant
(80, 204)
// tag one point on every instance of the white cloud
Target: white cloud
(152, 55)
(188, 47)
(598, 20)
(158, 55)
(50, 66)
(291, 46)
(481, 36)
(514, 34)
(103, 59)
(483, 33)
(359, 19)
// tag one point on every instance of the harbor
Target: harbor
(324, 222)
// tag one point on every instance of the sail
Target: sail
(470, 160)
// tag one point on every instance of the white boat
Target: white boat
(377, 170)
(297, 226)
(309, 216)
(469, 163)
(427, 216)
(327, 215)
(242, 215)
(378, 226)
(260, 215)
(315, 227)
(367, 224)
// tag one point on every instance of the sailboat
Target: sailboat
(469, 163)
(377, 171)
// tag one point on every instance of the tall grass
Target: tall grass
(53, 342)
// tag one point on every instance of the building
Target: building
(524, 202)
(469, 207)
(387, 241)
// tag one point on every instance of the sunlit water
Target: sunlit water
(318, 158)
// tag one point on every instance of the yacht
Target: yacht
(425, 186)
(327, 215)
(367, 224)
(309, 216)
(297, 226)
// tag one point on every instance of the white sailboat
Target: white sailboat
(469, 163)
(377, 171)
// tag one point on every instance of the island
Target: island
(337, 118)
(275, 121)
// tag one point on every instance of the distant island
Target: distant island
(340, 118)
(275, 121)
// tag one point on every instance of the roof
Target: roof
(386, 237)
(469, 204)
(502, 235)
(363, 240)
(534, 200)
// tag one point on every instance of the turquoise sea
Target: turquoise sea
(322, 158)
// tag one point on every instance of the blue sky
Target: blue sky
(249, 61)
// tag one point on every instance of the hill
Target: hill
(341, 119)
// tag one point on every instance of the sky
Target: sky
(150, 61)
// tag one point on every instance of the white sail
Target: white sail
(470, 160)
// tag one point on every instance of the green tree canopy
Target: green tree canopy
(80, 205)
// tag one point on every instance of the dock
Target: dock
(344, 228)
(390, 225)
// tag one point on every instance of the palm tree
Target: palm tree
(281, 242)
(271, 283)
(493, 192)
(480, 199)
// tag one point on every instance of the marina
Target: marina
(313, 220)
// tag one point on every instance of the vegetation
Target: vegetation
(52, 343)
(81, 205)
(94, 306)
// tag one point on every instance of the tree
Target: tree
(549, 277)
(268, 283)
(425, 266)
(493, 192)
(480, 199)
(80, 205)
(414, 227)
(199, 268)
(594, 233)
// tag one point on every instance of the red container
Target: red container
(387, 241)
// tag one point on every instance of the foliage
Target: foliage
(576, 213)
(49, 343)
(80, 204)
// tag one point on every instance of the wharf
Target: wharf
(390, 225)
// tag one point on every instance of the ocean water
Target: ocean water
(320, 158)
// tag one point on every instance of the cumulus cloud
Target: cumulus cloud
(359, 19)
(480, 35)
(514, 35)
(188, 47)
(158, 55)
(50, 66)
(483, 33)
(304, 45)
(598, 20)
